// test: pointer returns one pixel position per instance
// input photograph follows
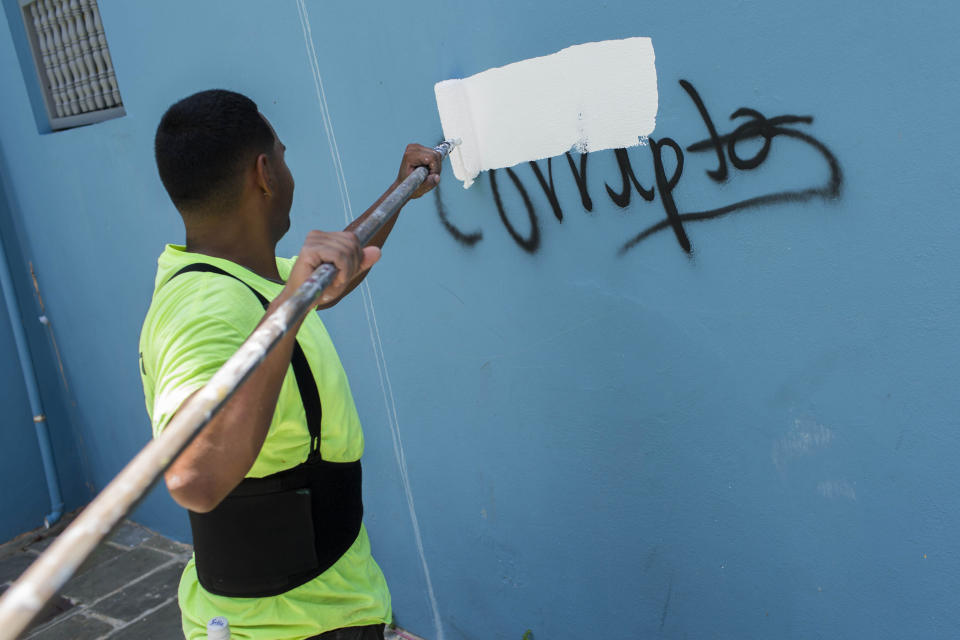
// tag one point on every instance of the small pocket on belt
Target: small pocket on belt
(251, 545)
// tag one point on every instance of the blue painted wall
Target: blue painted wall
(25, 502)
(756, 439)
(24, 496)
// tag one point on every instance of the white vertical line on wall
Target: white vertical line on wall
(388, 398)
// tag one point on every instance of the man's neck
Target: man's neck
(256, 254)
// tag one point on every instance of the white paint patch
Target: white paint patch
(837, 489)
(593, 96)
(804, 437)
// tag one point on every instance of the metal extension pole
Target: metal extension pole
(50, 572)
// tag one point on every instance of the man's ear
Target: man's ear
(263, 176)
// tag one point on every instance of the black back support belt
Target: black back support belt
(275, 533)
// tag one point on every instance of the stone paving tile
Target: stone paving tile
(76, 627)
(102, 554)
(398, 633)
(13, 565)
(57, 606)
(160, 543)
(162, 624)
(42, 543)
(129, 534)
(147, 593)
(113, 574)
(122, 563)
(42, 535)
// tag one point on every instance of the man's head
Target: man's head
(214, 148)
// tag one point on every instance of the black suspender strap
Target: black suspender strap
(275, 533)
(306, 383)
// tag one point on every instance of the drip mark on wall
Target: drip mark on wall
(666, 605)
(386, 387)
(465, 238)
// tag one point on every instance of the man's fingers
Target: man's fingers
(348, 259)
(431, 160)
(415, 156)
(418, 156)
(425, 186)
(370, 257)
(432, 180)
(352, 262)
(342, 250)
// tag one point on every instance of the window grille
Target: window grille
(73, 62)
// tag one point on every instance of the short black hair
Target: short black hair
(201, 144)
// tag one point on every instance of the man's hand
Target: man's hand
(342, 250)
(419, 156)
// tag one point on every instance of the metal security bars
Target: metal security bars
(73, 62)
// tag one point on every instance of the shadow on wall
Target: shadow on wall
(18, 35)
(24, 509)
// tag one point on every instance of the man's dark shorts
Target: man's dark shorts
(371, 632)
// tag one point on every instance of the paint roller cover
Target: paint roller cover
(593, 96)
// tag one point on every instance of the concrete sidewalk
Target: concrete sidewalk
(126, 590)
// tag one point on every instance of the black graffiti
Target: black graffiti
(581, 179)
(629, 178)
(531, 242)
(720, 173)
(548, 188)
(464, 238)
(726, 146)
(666, 186)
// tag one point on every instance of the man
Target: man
(273, 481)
